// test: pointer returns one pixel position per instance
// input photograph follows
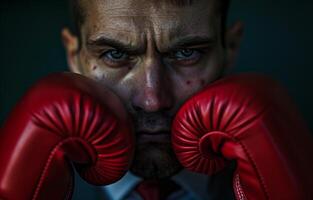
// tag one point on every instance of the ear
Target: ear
(71, 45)
(232, 42)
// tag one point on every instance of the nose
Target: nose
(154, 88)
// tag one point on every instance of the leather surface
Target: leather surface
(64, 120)
(248, 118)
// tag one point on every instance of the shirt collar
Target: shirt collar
(121, 188)
(193, 183)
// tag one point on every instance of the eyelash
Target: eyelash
(193, 59)
(171, 56)
(193, 51)
(113, 60)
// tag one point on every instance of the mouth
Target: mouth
(158, 136)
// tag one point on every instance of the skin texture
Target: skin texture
(154, 55)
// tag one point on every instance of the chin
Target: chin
(155, 160)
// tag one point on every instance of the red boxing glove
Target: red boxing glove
(250, 119)
(65, 117)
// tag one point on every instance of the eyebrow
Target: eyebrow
(177, 43)
(106, 41)
(191, 41)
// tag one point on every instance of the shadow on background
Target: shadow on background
(278, 41)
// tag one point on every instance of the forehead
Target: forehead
(139, 18)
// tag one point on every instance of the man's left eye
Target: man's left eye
(186, 54)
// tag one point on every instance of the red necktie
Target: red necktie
(156, 189)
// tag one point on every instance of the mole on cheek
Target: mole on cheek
(188, 82)
(94, 67)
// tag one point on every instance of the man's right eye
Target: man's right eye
(114, 56)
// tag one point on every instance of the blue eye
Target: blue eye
(186, 54)
(115, 55)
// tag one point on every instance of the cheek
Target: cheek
(87, 66)
(94, 71)
(202, 82)
(196, 83)
(108, 77)
(183, 89)
(186, 88)
(92, 68)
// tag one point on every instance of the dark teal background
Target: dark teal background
(277, 41)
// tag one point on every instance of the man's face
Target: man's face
(153, 55)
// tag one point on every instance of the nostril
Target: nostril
(149, 107)
(136, 108)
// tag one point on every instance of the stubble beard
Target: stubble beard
(155, 160)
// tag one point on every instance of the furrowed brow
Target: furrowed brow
(191, 41)
(105, 41)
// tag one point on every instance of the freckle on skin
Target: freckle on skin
(94, 67)
(188, 82)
